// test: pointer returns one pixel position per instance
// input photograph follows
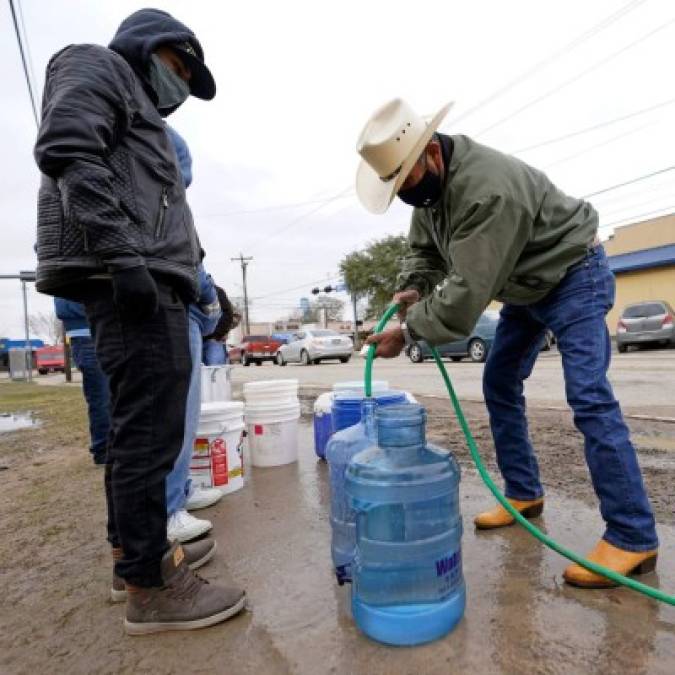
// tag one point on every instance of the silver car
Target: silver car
(645, 323)
(314, 345)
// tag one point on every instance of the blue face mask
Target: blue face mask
(426, 193)
(171, 89)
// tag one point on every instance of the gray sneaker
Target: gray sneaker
(185, 602)
(197, 554)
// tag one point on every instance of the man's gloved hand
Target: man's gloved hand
(135, 292)
(405, 300)
(390, 343)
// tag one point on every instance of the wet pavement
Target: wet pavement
(520, 616)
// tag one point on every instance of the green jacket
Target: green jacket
(501, 230)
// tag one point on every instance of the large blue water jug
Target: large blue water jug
(408, 586)
(342, 446)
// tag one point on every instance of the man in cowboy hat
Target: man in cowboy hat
(487, 226)
(115, 232)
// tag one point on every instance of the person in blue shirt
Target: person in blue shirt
(94, 381)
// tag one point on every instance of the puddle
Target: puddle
(17, 421)
(644, 442)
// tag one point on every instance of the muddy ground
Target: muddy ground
(54, 563)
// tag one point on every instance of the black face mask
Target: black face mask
(426, 193)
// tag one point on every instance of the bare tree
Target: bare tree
(47, 326)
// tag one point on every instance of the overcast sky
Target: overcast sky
(297, 81)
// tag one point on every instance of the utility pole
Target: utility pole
(244, 263)
(357, 341)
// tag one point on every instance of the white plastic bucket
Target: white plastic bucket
(273, 433)
(359, 385)
(272, 392)
(216, 383)
(218, 451)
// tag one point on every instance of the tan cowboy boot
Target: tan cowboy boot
(616, 559)
(500, 517)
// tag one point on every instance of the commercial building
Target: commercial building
(642, 256)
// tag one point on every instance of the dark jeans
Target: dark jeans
(575, 311)
(147, 362)
(96, 393)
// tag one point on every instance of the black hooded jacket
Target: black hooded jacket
(111, 195)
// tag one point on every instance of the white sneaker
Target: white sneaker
(201, 497)
(184, 527)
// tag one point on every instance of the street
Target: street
(644, 381)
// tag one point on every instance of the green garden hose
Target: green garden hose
(534, 531)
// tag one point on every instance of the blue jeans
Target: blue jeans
(178, 481)
(575, 311)
(214, 353)
(96, 393)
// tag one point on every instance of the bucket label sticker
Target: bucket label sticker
(258, 429)
(219, 461)
(201, 446)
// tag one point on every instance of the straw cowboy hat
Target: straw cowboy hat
(390, 144)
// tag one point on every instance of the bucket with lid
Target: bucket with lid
(272, 430)
(323, 423)
(218, 451)
(274, 391)
(378, 386)
(216, 383)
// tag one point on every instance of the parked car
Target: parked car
(50, 359)
(314, 345)
(648, 322)
(476, 346)
(254, 349)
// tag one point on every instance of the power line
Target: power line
(623, 209)
(585, 151)
(593, 127)
(636, 218)
(300, 218)
(267, 209)
(577, 77)
(628, 182)
(295, 288)
(24, 62)
(570, 46)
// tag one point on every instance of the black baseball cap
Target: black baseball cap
(202, 84)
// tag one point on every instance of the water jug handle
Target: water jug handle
(343, 575)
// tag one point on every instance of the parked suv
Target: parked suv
(645, 323)
(476, 346)
(314, 345)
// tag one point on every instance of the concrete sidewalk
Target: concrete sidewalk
(520, 617)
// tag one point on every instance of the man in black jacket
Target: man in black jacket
(115, 231)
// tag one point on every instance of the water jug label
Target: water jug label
(449, 573)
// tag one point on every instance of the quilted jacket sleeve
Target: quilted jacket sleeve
(86, 108)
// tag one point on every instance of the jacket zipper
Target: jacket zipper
(163, 206)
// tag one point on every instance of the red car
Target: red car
(254, 349)
(50, 359)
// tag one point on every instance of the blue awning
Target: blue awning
(659, 256)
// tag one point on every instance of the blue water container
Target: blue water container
(323, 423)
(347, 406)
(408, 586)
(342, 446)
(353, 421)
